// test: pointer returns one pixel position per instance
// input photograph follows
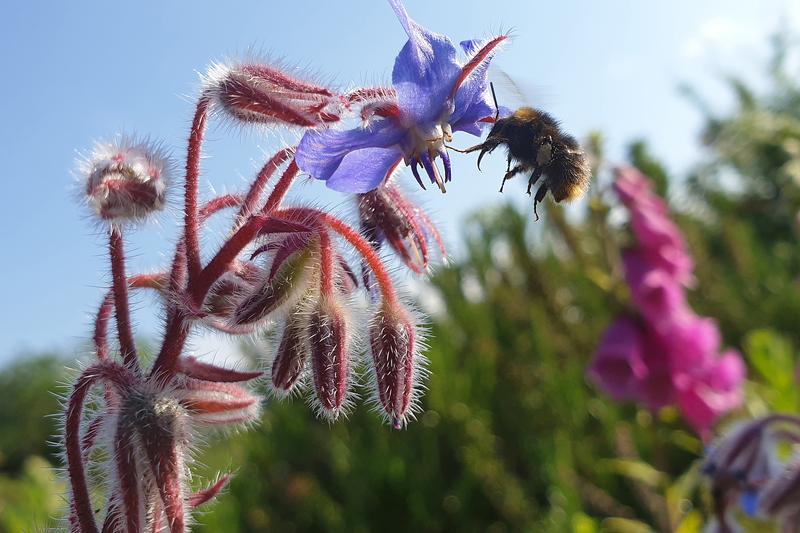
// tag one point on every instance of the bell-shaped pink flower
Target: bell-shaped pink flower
(690, 342)
(704, 397)
(631, 185)
(655, 293)
(661, 241)
(618, 366)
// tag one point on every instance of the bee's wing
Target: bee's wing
(513, 93)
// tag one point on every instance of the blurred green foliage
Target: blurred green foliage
(27, 412)
(28, 502)
(512, 437)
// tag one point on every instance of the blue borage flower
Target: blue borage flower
(434, 96)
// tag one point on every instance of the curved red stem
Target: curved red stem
(72, 440)
(326, 262)
(177, 328)
(191, 223)
(277, 194)
(269, 168)
(100, 337)
(366, 250)
(122, 309)
(128, 477)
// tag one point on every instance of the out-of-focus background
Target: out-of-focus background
(705, 98)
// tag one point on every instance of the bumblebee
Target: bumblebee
(536, 145)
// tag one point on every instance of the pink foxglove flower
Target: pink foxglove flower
(658, 237)
(669, 356)
(706, 394)
(618, 366)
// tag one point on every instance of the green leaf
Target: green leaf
(625, 525)
(636, 470)
(582, 523)
(772, 357)
(692, 523)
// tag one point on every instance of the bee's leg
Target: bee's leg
(540, 194)
(508, 167)
(510, 174)
(537, 173)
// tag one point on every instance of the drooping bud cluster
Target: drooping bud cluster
(755, 467)
(257, 93)
(318, 333)
(665, 354)
(125, 179)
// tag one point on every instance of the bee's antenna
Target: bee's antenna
(494, 97)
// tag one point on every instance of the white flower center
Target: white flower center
(429, 140)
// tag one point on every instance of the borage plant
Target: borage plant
(280, 264)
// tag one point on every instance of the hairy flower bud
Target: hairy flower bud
(329, 335)
(262, 94)
(125, 179)
(386, 214)
(227, 292)
(346, 279)
(394, 344)
(293, 352)
(219, 403)
(284, 285)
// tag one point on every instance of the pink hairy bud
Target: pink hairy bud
(204, 496)
(387, 214)
(227, 292)
(193, 368)
(283, 286)
(346, 279)
(393, 341)
(262, 94)
(328, 334)
(219, 403)
(125, 179)
(293, 352)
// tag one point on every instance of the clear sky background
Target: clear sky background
(77, 71)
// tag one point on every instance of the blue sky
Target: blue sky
(74, 72)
